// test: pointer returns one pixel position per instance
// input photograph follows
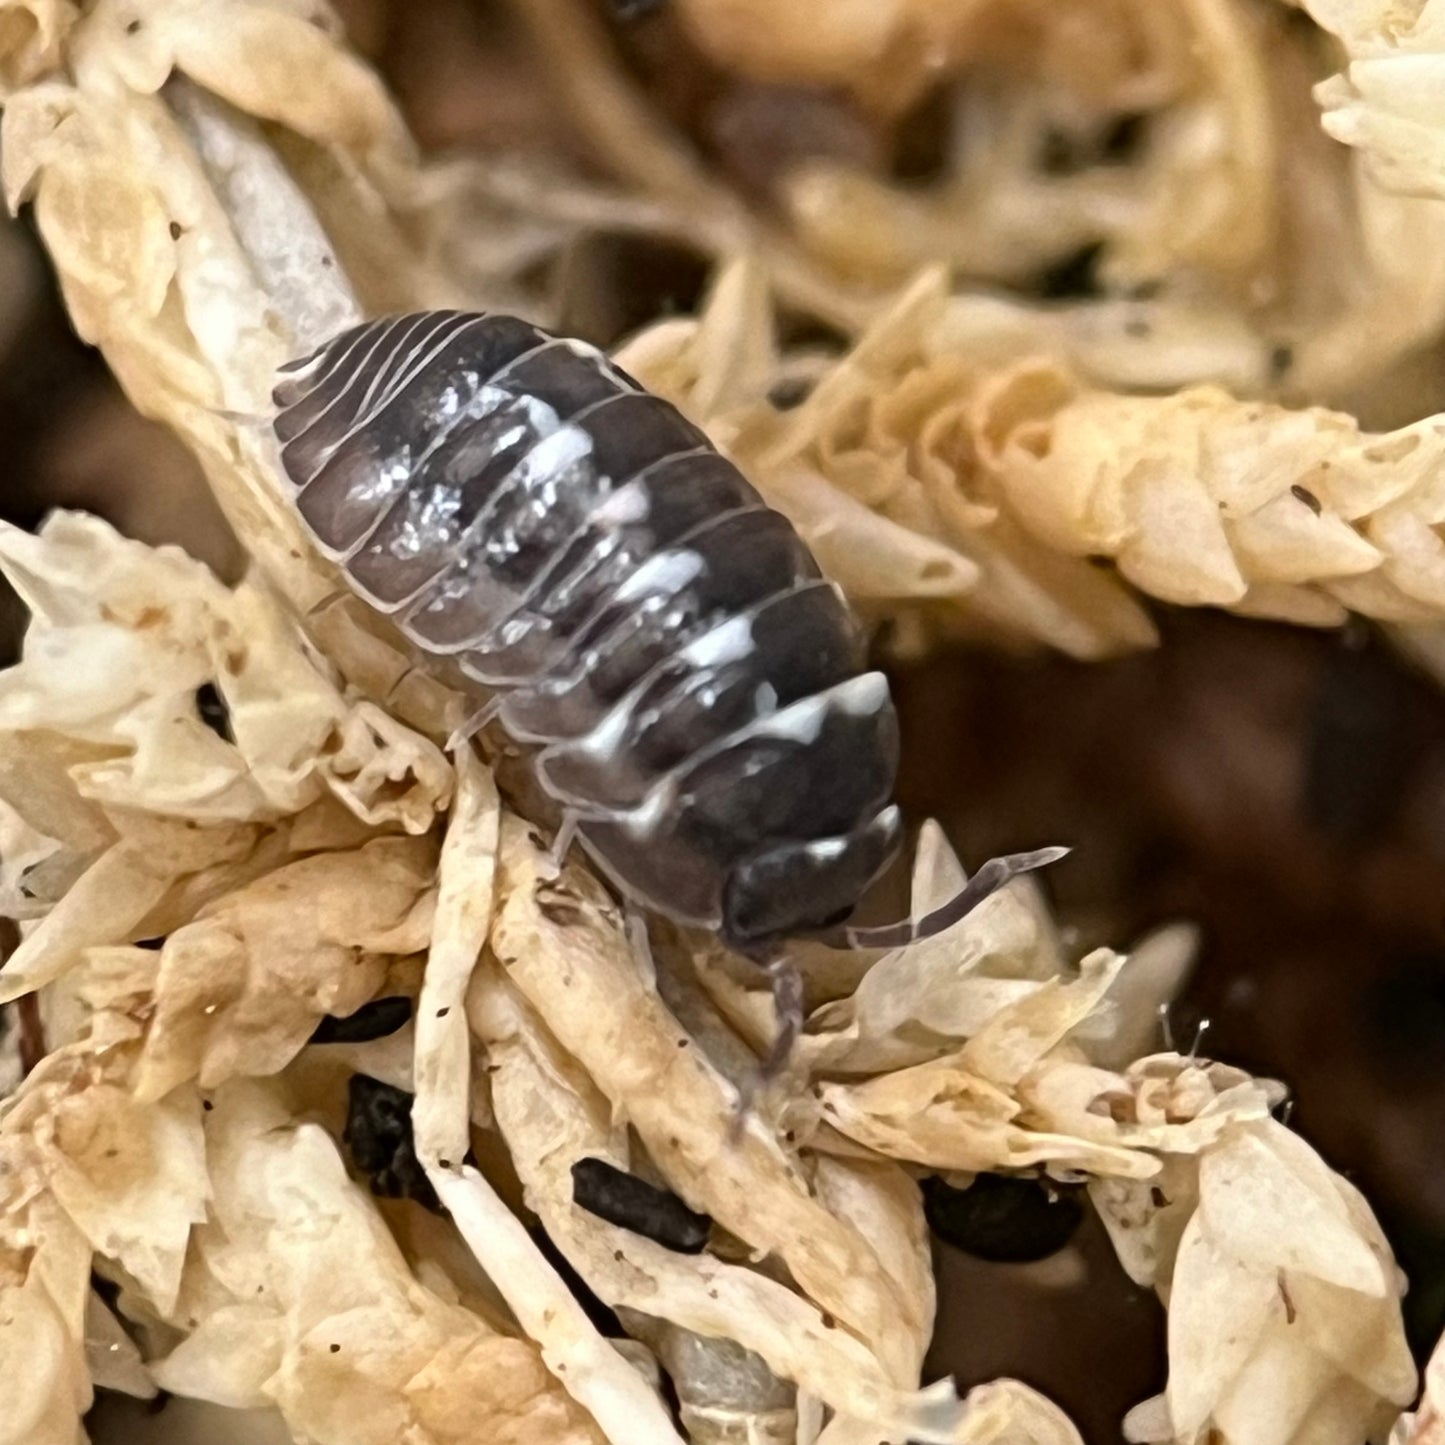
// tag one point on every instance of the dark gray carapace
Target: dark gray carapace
(694, 691)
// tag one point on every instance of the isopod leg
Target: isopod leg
(566, 836)
(787, 985)
(641, 944)
(788, 1003)
(474, 724)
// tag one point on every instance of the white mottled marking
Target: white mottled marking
(582, 348)
(555, 453)
(643, 821)
(605, 741)
(588, 352)
(377, 483)
(861, 695)
(667, 572)
(800, 722)
(623, 508)
(730, 641)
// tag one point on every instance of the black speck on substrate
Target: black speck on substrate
(375, 1020)
(214, 712)
(632, 1203)
(1003, 1219)
(1303, 494)
(382, 1146)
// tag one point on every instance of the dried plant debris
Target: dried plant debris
(1386, 101)
(1426, 1424)
(333, 1326)
(816, 1269)
(12, 1068)
(942, 470)
(1278, 1274)
(250, 776)
(1177, 143)
(1205, 499)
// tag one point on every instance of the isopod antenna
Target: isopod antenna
(992, 876)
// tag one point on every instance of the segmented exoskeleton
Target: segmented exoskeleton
(695, 691)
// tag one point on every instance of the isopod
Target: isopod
(693, 691)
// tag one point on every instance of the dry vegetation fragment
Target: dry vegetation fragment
(227, 812)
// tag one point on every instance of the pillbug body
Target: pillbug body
(694, 691)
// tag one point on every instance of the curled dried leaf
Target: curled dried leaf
(131, 1177)
(124, 643)
(111, 900)
(240, 990)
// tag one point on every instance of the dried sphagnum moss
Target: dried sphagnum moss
(1237, 246)
(1386, 101)
(579, 1044)
(1228, 228)
(878, 465)
(1002, 479)
(198, 248)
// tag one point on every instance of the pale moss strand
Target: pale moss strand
(1201, 499)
